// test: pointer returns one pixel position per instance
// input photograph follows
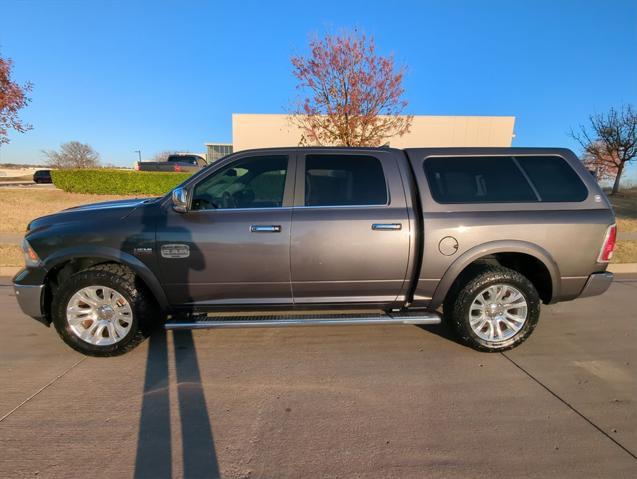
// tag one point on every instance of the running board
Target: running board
(278, 321)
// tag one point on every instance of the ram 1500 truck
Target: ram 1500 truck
(177, 162)
(488, 234)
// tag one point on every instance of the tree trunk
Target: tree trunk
(620, 168)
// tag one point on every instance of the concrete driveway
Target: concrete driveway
(372, 402)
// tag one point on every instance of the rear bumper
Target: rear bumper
(30, 299)
(596, 284)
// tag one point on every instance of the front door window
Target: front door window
(254, 182)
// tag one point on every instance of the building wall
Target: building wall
(260, 131)
(216, 151)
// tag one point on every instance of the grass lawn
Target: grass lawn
(11, 255)
(626, 224)
(625, 206)
(22, 205)
(625, 252)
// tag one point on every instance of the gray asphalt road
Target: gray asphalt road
(371, 402)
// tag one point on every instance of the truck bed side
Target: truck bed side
(564, 237)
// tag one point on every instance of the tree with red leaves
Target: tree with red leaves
(602, 162)
(610, 143)
(13, 97)
(354, 95)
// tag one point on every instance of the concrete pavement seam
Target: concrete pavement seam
(39, 391)
(572, 408)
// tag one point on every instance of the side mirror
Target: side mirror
(180, 200)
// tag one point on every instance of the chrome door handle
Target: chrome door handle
(265, 228)
(387, 226)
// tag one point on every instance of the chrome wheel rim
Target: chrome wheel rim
(498, 313)
(99, 315)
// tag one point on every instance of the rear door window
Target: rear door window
(480, 179)
(553, 178)
(344, 180)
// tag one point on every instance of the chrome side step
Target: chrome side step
(278, 321)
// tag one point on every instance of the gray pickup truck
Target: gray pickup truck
(179, 162)
(370, 236)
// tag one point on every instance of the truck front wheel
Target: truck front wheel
(103, 310)
(492, 308)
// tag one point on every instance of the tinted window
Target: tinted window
(255, 182)
(477, 180)
(553, 178)
(340, 180)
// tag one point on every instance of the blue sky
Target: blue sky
(161, 75)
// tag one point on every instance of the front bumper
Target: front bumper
(30, 299)
(596, 284)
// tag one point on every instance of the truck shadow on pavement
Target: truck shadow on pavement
(154, 446)
(442, 330)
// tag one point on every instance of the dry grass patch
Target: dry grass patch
(626, 224)
(22, 205)
(625, 252)
(11, 255)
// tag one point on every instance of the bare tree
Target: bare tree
(73, 155)
(354, 94)
(162, 155)
(610, 141)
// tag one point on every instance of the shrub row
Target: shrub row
(117, 182)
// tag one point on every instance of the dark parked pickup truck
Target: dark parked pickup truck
(487, 233)
(177, 162)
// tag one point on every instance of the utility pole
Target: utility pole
(139, 154)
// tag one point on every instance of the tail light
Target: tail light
(610, 240)
(177, 168)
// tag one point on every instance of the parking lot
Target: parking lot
(385, 401)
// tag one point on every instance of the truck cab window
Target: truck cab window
(480, 179)
(344, 180)
(553, 178)
(254, 182)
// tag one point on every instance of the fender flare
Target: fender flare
(115, 255)
(493, 247)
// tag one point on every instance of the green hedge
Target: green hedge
(117, 182)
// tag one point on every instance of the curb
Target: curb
(9, 270)
(623, 268)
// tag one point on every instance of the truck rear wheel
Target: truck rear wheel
(103, 311)
(492, 308)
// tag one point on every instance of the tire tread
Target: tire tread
(142, 303)
(463, 292)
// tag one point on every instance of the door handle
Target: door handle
(265, 228)
(387, 226)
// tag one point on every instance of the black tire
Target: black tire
(457, 305)
(122, 279)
